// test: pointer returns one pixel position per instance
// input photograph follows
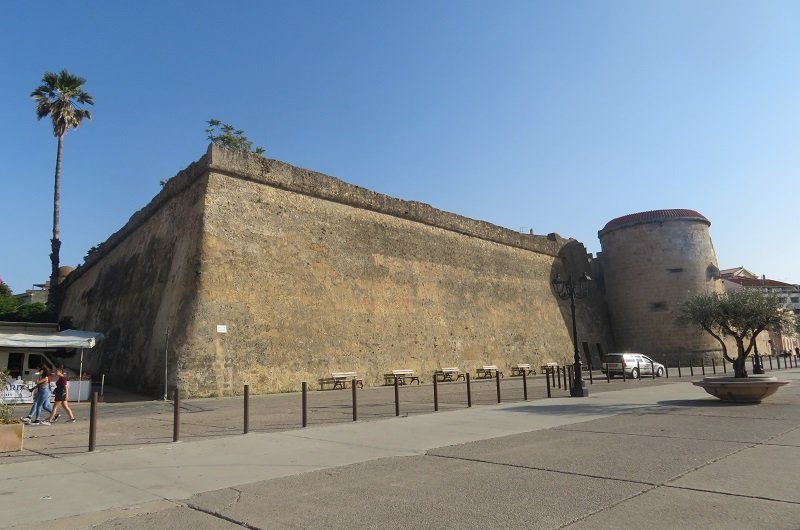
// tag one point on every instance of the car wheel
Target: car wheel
(660, 371)
(635, 373)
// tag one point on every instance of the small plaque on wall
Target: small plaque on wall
(222, 328)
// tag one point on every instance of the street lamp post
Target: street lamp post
(571, 289)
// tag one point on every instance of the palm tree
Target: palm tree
(58, 97)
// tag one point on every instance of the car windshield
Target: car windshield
(613, 358)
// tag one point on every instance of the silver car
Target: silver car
(631, 364)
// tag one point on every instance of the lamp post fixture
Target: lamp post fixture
(571, 289)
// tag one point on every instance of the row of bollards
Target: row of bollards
(555, 377)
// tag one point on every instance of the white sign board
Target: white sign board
(222, 328)
(17, 391)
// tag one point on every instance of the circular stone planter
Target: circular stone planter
(750, 389)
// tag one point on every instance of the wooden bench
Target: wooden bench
(403, 377)
(488, 371)
(449, 374)
(548, 367)
(340, 379)
(521, 369)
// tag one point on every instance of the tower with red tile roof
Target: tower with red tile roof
(651, 262)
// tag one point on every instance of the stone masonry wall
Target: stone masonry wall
(649, 270)
(141, 283)
(312, 275)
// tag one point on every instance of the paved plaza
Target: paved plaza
(661, 454)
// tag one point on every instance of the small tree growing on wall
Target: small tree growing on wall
(229, 137)
(739, 315)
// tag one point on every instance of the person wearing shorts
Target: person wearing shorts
(60, 397)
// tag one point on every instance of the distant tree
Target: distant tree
(8, 304)
(740, 315)
(229, 137)
(33, 312)
(59, 97)
(13, 310)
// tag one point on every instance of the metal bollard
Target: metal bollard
(435, 394)
(714, 365)
(396, 396)
(753, 362)
(703, 366)
(355, 401)
(547, 373)
(624, 376)
(652, 370)
(305, 404)
(469, 392)
(638, 371)
(608, 375)
(691, 367)
(246, 408)
(568, 374)
(93, 423)
(497, 379)
(558, 374)
(524, 385)
(666, 368)
(176, 415)
(679, 368)
(770, 362)
(724, 366)
(591, 381)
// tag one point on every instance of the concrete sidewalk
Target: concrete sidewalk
(667, 456)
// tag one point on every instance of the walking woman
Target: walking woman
(61, 397)
(42, 400)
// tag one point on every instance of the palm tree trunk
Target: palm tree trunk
(55, 242)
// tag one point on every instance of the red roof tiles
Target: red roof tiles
(653, 216)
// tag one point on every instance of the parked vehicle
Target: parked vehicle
(24, 364)
(632, 364)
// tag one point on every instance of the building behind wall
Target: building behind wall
(246, 270)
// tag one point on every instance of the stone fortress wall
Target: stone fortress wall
(311, 275)
(650, 262)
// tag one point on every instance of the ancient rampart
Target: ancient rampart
(310, 275)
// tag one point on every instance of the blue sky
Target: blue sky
(558, 116)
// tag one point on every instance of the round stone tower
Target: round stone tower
(651, 261)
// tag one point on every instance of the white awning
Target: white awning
(71, 338)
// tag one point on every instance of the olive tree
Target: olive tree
(738, 315)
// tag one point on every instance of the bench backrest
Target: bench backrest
(402, 372)
(451, 369)
(523, 366)
(490, 367)
(343, 375)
